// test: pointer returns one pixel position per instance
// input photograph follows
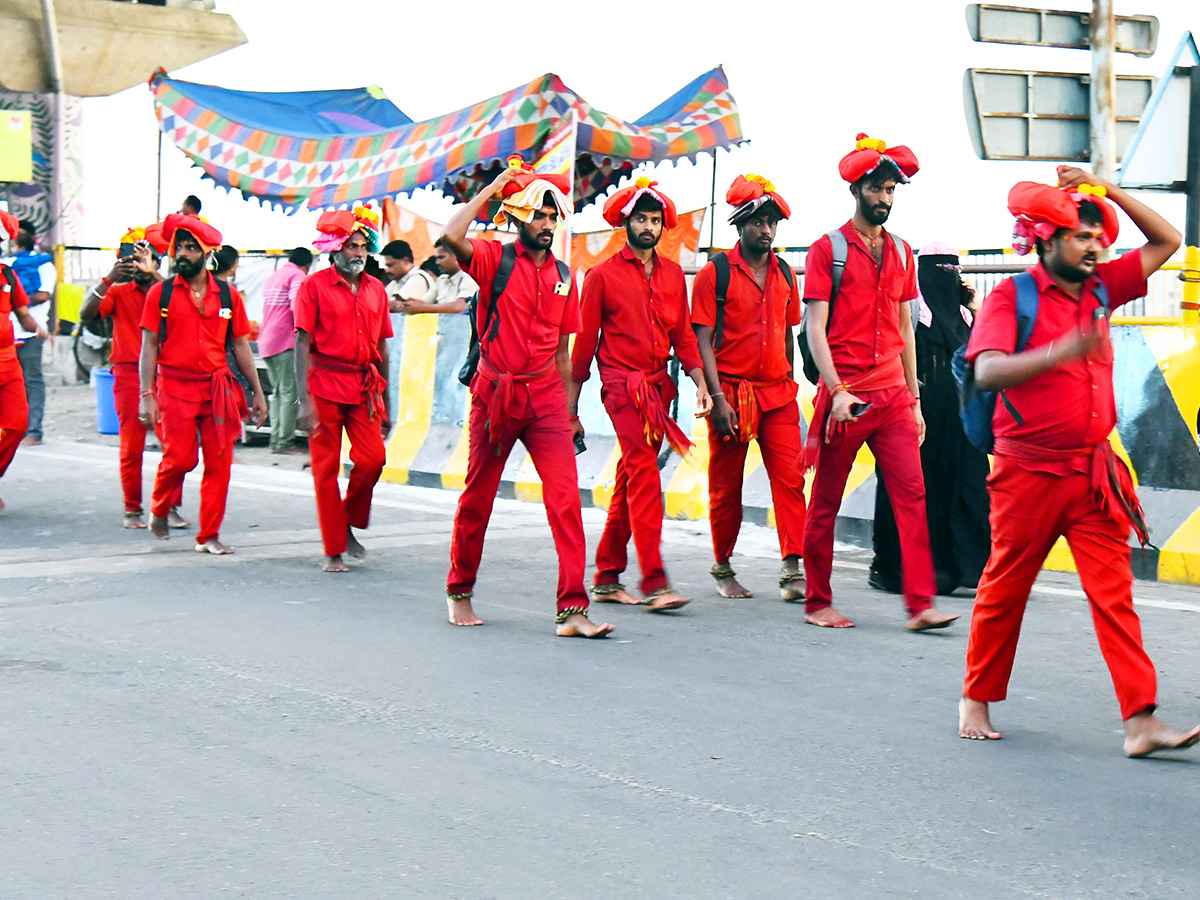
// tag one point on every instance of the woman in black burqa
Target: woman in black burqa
(956, 499)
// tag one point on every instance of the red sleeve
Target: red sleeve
(571, 321)
(793, 312)
(306, 306)
(818, 271)
(683, 339)
(150, 313)
(589, 332)
(996, 325)
(910, 275)
(704, 296)
(1123, 278)
(484, 261)
(107, 303)
(240, 321)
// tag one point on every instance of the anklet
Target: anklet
(565, 614)
(654, 595)
(721, 570)
(787, 577)
(607, 590)
(134, 515)
(466, 595)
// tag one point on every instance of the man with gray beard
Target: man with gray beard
(342, 327)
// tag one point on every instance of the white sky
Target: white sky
(807, 77)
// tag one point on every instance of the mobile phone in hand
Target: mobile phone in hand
(580, 446)
(857, 409)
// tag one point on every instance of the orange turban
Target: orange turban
(749, 192)
(206, 236)
(619, 206)
(1041, 210)
(869, 152)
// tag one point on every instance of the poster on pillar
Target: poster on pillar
(31, 200)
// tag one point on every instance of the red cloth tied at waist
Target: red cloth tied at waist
(643, 393)
(125, 369)
(1111, 482)
(739, 394)
(826, 428)
(228, 398)
(374, 385)
(500, 406)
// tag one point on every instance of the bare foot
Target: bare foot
(791, 582)
(461, 612)
(828, 618)
(158, 528)
(973, 721)
(667, 599)
(930, 620)
(618, 596)
(730, 589)
(1145, 734)
(215, 547)
(353, 547)
(335, 564)
(580, 625)
(135, 521)
(175, 520)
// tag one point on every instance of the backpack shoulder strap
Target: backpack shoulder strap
(10, 276)
(788, 275)
(898, 242)
(1101, 293)
(226, 295)
(164, 301)
(564, 274)
(491, 322)
(1027, 307)
(841, 249)
(720, 263)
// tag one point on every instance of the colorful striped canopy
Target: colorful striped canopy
(325, 149)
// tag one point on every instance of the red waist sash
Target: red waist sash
(228, 398)
(500, 406)
(642, 389)
(823, 426)
(373, 383)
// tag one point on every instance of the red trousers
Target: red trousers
(636, 509)
(548, 440)
(1030, 510)
(779, 441)
(367, 455)
(14, 410)
(890, 430)
(181, 422)
(127, 392)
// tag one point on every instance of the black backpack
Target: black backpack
(720, 263)
(491, 322)
(164, 301)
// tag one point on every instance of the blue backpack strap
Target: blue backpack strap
(1101, 293)
(1027, 308)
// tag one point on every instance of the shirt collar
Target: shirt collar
(523, 251)
(626, 253)
(212, 283)
(855, 239)
(736, 258)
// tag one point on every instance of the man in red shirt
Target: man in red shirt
(635, 311)
(342, 327)
(14, 410)
(863, 345)
(745, 342)
(186, 386)
(121, 296)
(1055, 472)
(518, 391)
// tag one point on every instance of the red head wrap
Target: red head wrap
(154, 236)
(1041, 210)
(619, 207)
(336, 226)
(9, 223)
(206, 236)
(869, 152)
(749, 192)
(523, 196)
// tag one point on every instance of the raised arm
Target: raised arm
(456, 229)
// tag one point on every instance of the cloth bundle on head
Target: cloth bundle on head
(748, 193)
(524, 195)
(1041, 210)
(336, 226)
(869, 153)
(206, 236)
(9, 223)
(619, 207)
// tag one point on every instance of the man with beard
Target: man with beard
(1055, 471)
(862, 343)
(527, 310)
(635, 311)
(14, 410)
(342, 327)
(121, 296)
(188, 323)
(743, 315)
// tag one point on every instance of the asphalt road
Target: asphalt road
(178, 725)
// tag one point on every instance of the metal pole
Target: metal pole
(54, 75)
(712, 207)
(1191, 229)
(158, 186)
(1103, 91)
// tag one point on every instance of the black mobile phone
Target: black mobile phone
(126, 250)
(857, 409)
(580, 446)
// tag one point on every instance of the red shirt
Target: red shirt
(754, 340)
(635, 320)
(1072, 405)
(533, 318)
(9, 301)
(126, 302)
(864, 318)
(344, 326)
(195, 340)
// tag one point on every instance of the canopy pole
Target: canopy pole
(158, 185)
(712, 206)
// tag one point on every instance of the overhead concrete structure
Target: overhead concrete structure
(108, 46)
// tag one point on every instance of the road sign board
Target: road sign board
(1056, 28)
(1013, 114)
(1156, 158)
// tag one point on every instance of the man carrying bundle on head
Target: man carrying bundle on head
(858, 284)
(1042, 339)
(187, 389)
(744, 307)
(526, 312)
(635, 312)
(342, 327)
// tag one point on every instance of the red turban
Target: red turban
(10, 223)
(1041, 210)
(619, 207)
(749, 192)
(206, 236)
(154, 236)
(869, 152)
(336, 226)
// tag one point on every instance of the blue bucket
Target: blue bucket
(106, 405)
